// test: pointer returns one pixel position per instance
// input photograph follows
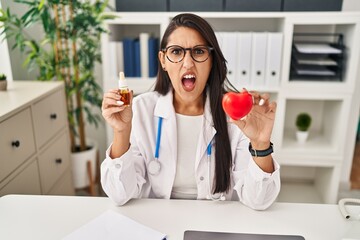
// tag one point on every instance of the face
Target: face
(188, 77)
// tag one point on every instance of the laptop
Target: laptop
(205, 235)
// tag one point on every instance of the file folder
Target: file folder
(258, 59)
(244, 45)
(137, 58)
(129, 57)
(273, 59)
(119, 57)
(144, 54)
(153, 56)
(229, 48)
(112, 62)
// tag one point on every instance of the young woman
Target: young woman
(177, 142)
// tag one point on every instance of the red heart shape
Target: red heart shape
(237, 105)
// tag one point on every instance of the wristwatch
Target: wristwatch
(261, 153)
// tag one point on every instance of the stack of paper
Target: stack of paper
(316, 48)
(111, 225)
(317, 61)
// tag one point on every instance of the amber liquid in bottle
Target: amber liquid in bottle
(124, 91)
(124, 96)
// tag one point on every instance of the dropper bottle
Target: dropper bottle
(124, 91)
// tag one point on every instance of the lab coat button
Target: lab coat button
(118, 165)
(201, 178)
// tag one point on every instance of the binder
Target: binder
(112, 63)
(153, 56)
(119, 56)
(144, 54)
(229, 49)
(273, 59)
(137, 58)
(244, 45)
(219, 38)
(129, 57)
(258, 59)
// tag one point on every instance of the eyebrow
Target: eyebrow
(186, 47)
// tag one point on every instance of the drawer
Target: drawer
(26, 182)
(64, 186)
(16, 142)
(53, 162)
(49, 117)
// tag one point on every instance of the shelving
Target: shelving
(330, 103)
(317, 57)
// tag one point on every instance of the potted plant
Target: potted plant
(68, 51)
(3, 82)
(303, 122)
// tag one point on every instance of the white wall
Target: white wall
(351, 5)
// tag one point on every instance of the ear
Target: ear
(161, 57)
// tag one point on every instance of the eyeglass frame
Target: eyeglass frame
(210, 49)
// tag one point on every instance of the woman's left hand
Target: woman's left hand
(258, 124)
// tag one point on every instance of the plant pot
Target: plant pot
(3, 85)
(302, 136)
(79, 165)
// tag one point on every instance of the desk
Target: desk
(53, 217)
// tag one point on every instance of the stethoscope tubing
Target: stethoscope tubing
(158, 138)
(156, 164)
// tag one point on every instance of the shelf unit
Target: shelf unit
(311, 172)
(34, 145)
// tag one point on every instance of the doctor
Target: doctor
(177, 142)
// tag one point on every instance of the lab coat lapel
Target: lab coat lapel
(164, 108)
(207, 133)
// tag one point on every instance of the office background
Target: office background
(20, 73)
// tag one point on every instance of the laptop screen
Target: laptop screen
(204, 235)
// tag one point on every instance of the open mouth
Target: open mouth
(188, 82)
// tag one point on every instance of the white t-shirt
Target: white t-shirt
(188, 130)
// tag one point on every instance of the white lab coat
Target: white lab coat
(127, 177)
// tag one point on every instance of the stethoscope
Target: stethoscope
(154, 166)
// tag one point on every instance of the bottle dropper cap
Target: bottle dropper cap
(122, 80)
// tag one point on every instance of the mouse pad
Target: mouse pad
(204, 235)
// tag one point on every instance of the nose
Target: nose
(188, 62)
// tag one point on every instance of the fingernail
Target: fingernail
(120, 103)
(261, 102)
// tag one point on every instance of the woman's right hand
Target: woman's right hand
(117, 115)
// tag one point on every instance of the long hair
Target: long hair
(216, 84)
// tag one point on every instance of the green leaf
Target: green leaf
(41, 4)
(3, 16)
(25, 2)
(33, 45)
(27, 15)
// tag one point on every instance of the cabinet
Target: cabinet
(311, 172)
(34, 143)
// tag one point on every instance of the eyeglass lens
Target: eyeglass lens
(176, 53)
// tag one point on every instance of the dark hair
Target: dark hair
(215, 85)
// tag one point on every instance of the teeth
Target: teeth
(189, 76)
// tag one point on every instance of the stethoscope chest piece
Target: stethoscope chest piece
(154, 167)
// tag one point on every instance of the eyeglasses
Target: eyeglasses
(176, 54)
